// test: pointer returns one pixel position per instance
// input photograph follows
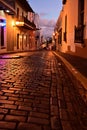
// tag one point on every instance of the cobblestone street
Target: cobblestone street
(36, 93)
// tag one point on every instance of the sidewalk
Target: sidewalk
(79, 63)
(76, 67)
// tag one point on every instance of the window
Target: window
(17, 12)
(2, 36)
(22, 14)
(79, 30)
(81, 12)
(65, 33)
(17, 41)
(64, 1)
(60, 37)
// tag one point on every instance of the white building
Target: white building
(72, 28)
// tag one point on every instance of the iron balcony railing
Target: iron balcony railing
(24, 22)
(79, 34)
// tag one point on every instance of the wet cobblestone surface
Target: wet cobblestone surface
(36, 93)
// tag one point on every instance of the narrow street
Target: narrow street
(36, 93)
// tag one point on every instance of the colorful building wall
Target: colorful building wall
(74, 32)
(9, 33)
(16, 37)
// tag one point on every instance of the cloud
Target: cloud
(47, 26)
(43, 14)
(45, 31)
(47, 22)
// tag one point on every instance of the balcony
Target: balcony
(8, 6)
(79, 34)
(25, 23)
(25, 5)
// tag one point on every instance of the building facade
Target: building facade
(17, 28)
(72, 28)
(37, 32)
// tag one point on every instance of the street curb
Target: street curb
(78, 79)
(13, 52)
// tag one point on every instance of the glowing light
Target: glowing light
(7, 11)
(20, 36)
(19, 23)
(13, 23)
(2, 22)
(24, 37)
(53, 34)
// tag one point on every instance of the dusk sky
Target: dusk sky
(48, 11)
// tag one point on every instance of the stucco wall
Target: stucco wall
(10, 33)
(70, 9)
